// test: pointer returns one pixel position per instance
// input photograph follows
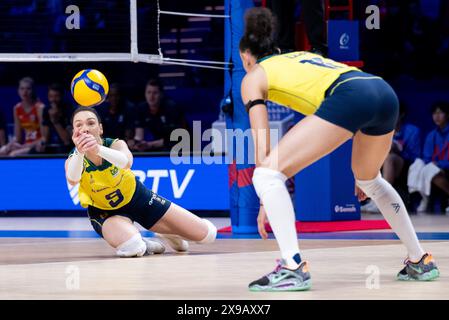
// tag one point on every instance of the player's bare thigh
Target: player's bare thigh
(182, 222)
(369, 154)
(309, 140)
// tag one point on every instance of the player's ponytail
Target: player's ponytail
(259, 31)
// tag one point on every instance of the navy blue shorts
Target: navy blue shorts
(361, 101)
(145, 208)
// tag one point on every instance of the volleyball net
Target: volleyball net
(96, 30)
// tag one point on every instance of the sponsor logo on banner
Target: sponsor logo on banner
(344, 41)
(345, 209)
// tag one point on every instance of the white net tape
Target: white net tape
(132, 56)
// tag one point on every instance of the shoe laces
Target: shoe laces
(279, 266)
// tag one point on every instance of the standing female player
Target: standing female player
(340, 103)
(115, 198)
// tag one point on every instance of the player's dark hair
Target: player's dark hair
(442, 105)
(259, 33)
(81, 109)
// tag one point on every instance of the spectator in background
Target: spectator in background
(406, 147)
(116, 115)
(27, 122)
(436, 146)
(312, 12)
(313, 15)
(56, 127)
(3, 130)
(155, 119)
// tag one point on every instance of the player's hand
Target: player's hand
(86, 142)
(78, 137)
(261, 220)
(75, 136)
(361, 196)
(93, 147)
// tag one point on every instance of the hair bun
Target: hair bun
(259, 32)
(259, 24)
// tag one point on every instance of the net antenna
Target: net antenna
(133, 56)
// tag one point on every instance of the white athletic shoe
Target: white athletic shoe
(174, 241)
(154, 246)
(370, 207)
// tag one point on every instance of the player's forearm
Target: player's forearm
(75, 167)
(117, 158)
(261, 133)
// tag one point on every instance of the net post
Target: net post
(133, 30)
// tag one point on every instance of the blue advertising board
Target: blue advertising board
(325, 189)
(40, 184)
(343, 40)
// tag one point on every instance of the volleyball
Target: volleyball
(89, 87)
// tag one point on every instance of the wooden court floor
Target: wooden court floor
(77, 268)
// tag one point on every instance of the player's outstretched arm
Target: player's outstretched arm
(118, 154)
(74, 164)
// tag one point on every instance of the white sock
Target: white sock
(133, 247)
(271, 189)
(393, 209)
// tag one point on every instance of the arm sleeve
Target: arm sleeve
(75, 166)
(115, 157)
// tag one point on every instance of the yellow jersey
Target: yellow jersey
(299, 80)
(106, 186)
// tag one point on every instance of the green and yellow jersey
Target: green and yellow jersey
(299, 80)
(106, 186)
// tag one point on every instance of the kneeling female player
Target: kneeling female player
(115, 198)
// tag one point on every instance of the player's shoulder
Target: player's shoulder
(255, 81)
(108, 142)
(255, 75)
(114, 143)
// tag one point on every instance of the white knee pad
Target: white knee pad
(134, 247)
(374, 188)
(265, 179)
(211, 233)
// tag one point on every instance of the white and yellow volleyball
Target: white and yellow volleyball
(89, 87)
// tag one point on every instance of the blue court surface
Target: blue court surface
(314, 236)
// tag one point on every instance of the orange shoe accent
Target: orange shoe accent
(305, 268)
(428, 259)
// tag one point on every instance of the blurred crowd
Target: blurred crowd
(418, 169)
(47, 129)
